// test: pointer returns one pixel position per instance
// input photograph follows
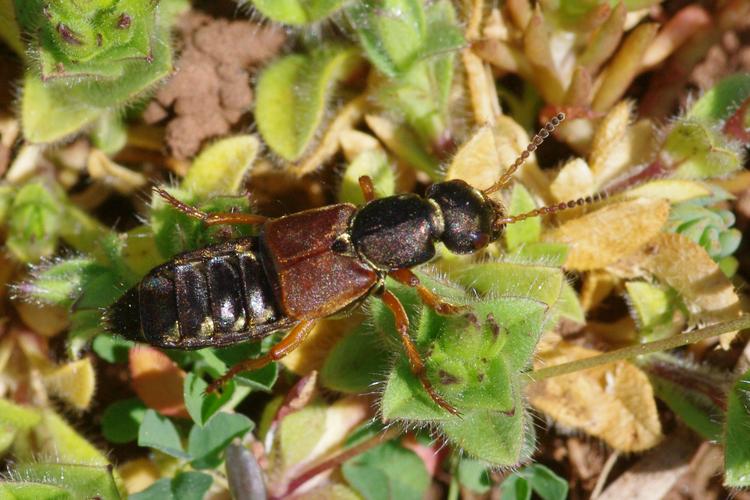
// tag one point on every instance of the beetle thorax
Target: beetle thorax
(397, 232)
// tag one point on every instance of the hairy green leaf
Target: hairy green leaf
(298, 12)
(302, 83)
(736, 445)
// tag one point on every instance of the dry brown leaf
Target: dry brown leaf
(686, 267)
(657, 472)
(613, 402)
(602, 237)
(158, 381)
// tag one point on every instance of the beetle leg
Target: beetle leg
(368, 190)
(417, 365)
(289, 343)
(210, 219)
(432, 300)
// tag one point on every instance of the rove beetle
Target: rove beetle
(313, 264)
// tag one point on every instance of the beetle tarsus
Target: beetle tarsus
(415, 361)
(210, 219)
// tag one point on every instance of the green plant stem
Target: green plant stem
(636, 350)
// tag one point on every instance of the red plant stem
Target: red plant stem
(339, 459)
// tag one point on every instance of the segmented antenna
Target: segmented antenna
(551, 209)
(536, 141)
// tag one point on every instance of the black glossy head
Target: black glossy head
(468, 214)
(397, 232)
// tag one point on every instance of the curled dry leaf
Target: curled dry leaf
(613, 402)
(121, 179)
(574, 180)
(158, 381)
(345, 120)
(674, 190)
(73, 382)
(707, 292)
(481, 88)
(597, 239)
(597, 285)
(490, 151)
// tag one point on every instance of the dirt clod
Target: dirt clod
(211, 89)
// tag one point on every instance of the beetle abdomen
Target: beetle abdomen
(214, 296)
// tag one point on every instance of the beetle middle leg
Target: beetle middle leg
(368, 190)
(289, 343)
(415, 360)
(430, 298)
(210, 219)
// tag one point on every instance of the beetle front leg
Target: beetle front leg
(289, 343)
(210, 219)
(415, 360)
(431, 300)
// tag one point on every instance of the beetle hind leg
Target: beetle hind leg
(289, 343)
(210, 219)
(415, 360)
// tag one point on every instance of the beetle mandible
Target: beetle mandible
(312, 264)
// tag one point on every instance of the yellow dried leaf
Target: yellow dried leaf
(623, 67)
(477, 162)
(138, 474)
(312, 353)
(481, 88)
(511, 140)
(349, 115)
(674, 190)
(44, 319)
(73, 382)
(600, 238)
(609, 134)
(597, 286)
(121, 179)
(573, 181)
(353, 142)
(613, 402)
(687, 267)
